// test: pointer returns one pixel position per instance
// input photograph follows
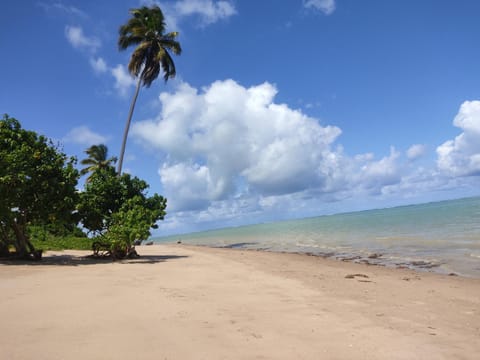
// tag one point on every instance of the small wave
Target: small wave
(238, 245)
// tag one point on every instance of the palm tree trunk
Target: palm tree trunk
(127, 127)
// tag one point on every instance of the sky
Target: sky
(279, 110)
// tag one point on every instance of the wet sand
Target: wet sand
(182, 302)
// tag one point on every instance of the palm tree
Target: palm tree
(97, 159)
(146, 29)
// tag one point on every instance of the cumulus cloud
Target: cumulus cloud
(123, 80)
(82, 135)
(461, 156)
(79, 40)
(325, 6)
(375, 175)
(228, 141)
(229, 134)
(208, 11)
(230, 155)
(416, 151)
(192, 184)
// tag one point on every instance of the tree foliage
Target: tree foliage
(97, 159)
(37, 185)
(39, 199)
(146, 30)
(118, 210)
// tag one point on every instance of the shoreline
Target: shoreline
(195, 302)
(442, 236)
(373, 259)
(421, 265)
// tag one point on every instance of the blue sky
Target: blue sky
(280, 109)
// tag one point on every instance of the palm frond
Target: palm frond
(168, 66)
(88, 161)
(97, 152)
(138, 58)
(172, 45)
(97, 159)
(84, 171)
(150, 72)
(145, 29)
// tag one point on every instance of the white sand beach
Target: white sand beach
(183, 302)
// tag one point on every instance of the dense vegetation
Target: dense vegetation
(37, 186)
(40, 205)
(41, 208)
(117, 210)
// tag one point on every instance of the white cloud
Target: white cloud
(123, 79)
(82, 135)
(229, 134)
(78, 40)
(67, 9)
(228, 141)
(231, 152)
(232, 155)
(99, 65)
(375, 175)
(416, 151)
(208, 11)
(461, 156)
(192, 184)
(325, 6)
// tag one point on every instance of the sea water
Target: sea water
(441, 236)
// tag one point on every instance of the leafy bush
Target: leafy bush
(118, 210)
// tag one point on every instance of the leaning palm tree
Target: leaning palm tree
(146, 29)
(97, 159)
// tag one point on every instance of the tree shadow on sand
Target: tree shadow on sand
(77, 260)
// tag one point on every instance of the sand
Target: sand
(182, 302)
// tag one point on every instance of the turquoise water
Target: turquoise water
(442, 236)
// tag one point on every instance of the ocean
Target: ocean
(440, 237)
